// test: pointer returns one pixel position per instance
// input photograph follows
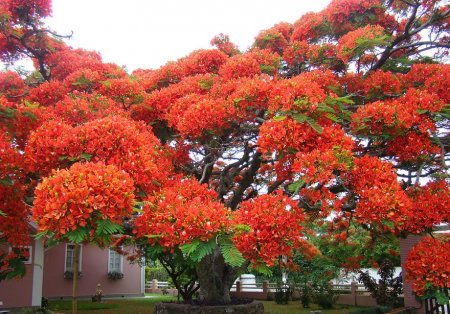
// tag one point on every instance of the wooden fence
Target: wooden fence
(160, 287)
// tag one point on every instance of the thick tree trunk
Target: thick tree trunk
(76, 253)
(215, 278)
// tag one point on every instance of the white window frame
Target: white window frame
(109, 261)
(80, 259)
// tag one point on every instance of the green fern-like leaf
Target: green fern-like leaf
(231, 254)
(190, 248)
(77, 236)
(106, 227)
(197, 250)
(264, 270)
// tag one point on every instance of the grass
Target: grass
(119, 306)
(145, 306)
(294, 307)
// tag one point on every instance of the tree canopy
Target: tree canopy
(340, 118)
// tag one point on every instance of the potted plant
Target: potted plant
(115, 275)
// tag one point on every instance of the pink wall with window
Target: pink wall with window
(26, 291)
(410, 299)
(94, 269)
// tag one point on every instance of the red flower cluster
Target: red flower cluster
(82, 108)
(223, 43)
(428, 264)
(381, 199)
(11, 85)
(309, 26)
(371, 35)
(48, 93)
(252, 63)
(431, 206)
(275, 222)
(403, 120)
(113, 140)
(203, 62)
(14, 228)
(123, 91)
(81, 196)
(180, 213)
(412, 147)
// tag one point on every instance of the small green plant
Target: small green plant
(324, 296)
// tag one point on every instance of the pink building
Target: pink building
(406, 245)
(48, 271)
(410, 299)
(26, 291)
(95, 264)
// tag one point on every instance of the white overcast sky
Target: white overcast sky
(148, 33)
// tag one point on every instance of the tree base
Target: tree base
(254, 307)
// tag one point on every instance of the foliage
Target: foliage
(156, 272)
(324, 295)
(388, 288)
(282, 294)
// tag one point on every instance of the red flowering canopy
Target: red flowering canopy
(77, 203)
(343, 114)
(428, 265)
(275, 228)
(181, 213)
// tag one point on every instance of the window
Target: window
(26, 252)
(115, 261)
(70, 250)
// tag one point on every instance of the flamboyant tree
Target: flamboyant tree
(342, 115)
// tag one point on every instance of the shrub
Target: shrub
(282, 294)
(157, 272)
(325, 296)
(388, 288)
(270, 296)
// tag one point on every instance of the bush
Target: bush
(305, 299)
(282, 294)
(388, 288)
(270, 296)
(157, 272)
(324, 296)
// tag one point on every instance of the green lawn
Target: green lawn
(294, 307)
(145, 306)
(119, 306)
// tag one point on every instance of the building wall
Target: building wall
(405, 246)
(94, 269)
(18, 292)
